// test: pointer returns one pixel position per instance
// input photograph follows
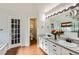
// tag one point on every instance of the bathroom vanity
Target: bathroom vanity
(57, 47)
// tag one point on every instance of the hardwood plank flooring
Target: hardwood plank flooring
(31, 50)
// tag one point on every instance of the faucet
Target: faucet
(69, 40)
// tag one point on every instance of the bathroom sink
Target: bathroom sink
(67, 44)
(48, 35)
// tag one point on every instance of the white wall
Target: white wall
(5, 19)
(25, 31)
(41, 24)
(5, 24)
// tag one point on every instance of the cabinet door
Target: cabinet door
(52, 49)
(64, 51)
(46, 46)
(58, 50)
(51, 52)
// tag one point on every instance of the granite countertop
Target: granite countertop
(73, 49)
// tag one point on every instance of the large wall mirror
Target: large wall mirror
(66, 23)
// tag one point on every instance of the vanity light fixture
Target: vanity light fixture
(71, 7)
(77, 4)
(57, 13)
(54, 13)
(64, 10)
(60, 11)
(50, 15)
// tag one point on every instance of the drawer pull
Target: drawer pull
(54, 45)
(45, 41)
(54, 49)
(45, 44)
(70, 53)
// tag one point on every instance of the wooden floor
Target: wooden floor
(31, 50)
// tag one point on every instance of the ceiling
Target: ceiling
(28, 8)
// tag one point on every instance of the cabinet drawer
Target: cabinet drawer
(55, 48)
(46, 48)
(67, 52)
(52, 45)
(70, 53)
(52, 52)
(57, 51)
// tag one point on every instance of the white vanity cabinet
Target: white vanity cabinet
(49, 47)
(44, 45)
(53, 49)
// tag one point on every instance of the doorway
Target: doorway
(33, 31)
